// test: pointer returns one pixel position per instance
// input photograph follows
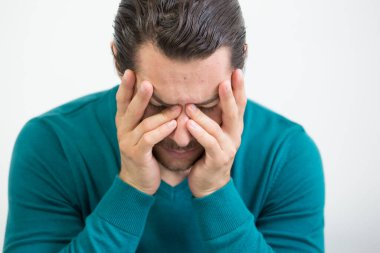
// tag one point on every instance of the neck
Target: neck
(173, 178)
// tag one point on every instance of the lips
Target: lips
(176, 152)
(180, 151)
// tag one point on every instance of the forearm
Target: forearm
(116, 225)
(228, 226)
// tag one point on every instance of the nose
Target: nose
(181, 135)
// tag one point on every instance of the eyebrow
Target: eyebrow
(208, 101)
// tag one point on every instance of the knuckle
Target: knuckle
(212, 143)
(147, 139)
(229, 154)
(214, 132)
(224, 160)
(134, 154)
(144, 125)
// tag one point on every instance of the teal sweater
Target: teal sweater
(65, 194)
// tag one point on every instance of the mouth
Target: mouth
(180, 153)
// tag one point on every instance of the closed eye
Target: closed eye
(163, 107)
(157, 107)
(208, 109)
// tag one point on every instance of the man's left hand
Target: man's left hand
(213, 170)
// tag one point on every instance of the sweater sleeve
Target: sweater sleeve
(43, 216)
(292, 219)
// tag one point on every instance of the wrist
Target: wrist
(204, 193)
(132, 183)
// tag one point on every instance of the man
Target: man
(175, 158)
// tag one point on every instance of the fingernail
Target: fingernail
(174, 108)
(227, 87)
(171, 123)
(192, 107)
(143, 87)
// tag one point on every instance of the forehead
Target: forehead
(181, 82)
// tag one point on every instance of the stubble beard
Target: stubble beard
(169, 163)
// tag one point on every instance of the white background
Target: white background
(315, 62)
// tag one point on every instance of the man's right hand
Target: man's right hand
(137, 137)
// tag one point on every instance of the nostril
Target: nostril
(181, 135)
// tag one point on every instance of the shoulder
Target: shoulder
(272, 130)
(266, 132)
(277, 150)
(79, 104)
(74, 118)
(261, 119)
(51, 145)
(53, 133)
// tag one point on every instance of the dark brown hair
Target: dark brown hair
(181, 29)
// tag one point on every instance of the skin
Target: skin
(153, 137)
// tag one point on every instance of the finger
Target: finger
(206, 123)
(149, 139)
(210, 144)
(238, 88)
(230, 112)
(154, 122)
(124, 95)
(137, 107)
(125, 92)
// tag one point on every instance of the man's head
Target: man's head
(181, 29)
(185, 49)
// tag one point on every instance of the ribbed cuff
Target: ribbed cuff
(125, 207)
(220, 212)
